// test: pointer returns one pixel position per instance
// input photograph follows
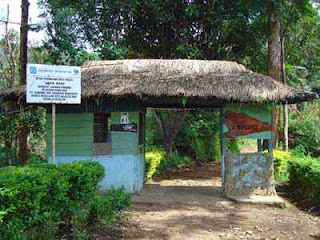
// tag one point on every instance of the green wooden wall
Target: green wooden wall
(74, 134)
(124, 143)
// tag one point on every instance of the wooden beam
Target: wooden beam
(260, 148)
(222, 144)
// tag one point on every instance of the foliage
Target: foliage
(305, 127)
(153, 159)
(45, 200)
(9, 53)
(108, 206)
(8, 140)
(198, 137)
(302, 49)
(9, 118)
(36, 124)
(281, 159)
(131, 29)
(157, 161)
(35, 120)
(233, 145)
(172, 161)
(304, 176)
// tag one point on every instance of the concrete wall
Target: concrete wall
(120, 171)
(249, 174)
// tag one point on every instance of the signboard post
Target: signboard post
(53, 133)
(53, 84)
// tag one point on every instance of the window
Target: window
(100, 127)
(101, 145)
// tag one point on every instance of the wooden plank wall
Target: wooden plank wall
(124, 143)
(74, 134)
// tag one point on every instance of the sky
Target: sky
(15, 16)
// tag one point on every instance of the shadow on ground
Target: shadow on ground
(190, 205)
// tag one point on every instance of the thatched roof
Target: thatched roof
(195, 79)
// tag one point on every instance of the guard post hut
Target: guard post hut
(108, 125)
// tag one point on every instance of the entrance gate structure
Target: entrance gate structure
(108, 125)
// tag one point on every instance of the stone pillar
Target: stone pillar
(249, 174)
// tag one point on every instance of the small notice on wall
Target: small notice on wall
(53, 84)
(124, 118)
(247, 122)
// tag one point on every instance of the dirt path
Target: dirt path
(191, 206)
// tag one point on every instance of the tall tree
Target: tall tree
(22, 129)
(169, 123)
(274, 65)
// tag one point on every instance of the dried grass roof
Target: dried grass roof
(202, 79)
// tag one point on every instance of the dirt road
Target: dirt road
(190, 206)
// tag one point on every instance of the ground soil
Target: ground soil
(190, 205)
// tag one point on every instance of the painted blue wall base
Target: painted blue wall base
(120, 171)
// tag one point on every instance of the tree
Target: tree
(158, 29)
(22, 128)
(9, 51)
(274, 66)
(169, 123)
(276, 11)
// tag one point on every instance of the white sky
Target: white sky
(15, 16)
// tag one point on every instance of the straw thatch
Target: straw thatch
(195, 79)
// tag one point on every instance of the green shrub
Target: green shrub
(233, 145)
(305, 127)
(281, 159)
(153, 159)
(44, 200)
(157, 162)
(304, 176)
(108, 206)
(174, 160)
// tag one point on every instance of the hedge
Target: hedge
(304, 176)
(47, 201)
(157, 161)
(281, 159)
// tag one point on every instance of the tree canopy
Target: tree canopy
(220, 29)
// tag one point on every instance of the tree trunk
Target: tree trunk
(8, 149)
(22, 129)
(23, 143)
(24, 41)
(169, 129)
(274, 67)
(285, 106)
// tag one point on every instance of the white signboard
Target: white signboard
(53, 84)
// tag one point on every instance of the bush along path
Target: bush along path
(45, 201)
(191, 206)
